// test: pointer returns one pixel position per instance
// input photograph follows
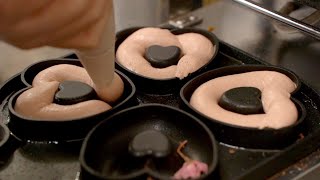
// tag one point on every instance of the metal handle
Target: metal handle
(313, 31)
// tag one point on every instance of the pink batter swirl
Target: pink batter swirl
(275, 89)
(196, 49)
(37, 102)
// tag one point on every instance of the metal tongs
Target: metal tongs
(311, 30)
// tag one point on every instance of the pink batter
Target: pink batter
(37, 102)
(279, 110)
(196, 50)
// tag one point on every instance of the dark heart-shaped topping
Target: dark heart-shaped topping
(150, 142)
(161, 57)
(72, 92)
(242, 100)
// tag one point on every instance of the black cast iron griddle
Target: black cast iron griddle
(33, 160)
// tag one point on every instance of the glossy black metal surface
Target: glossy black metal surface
(250, 32)
(50, 130)
(104, 153)
(60, 161)
(234, 161)
(234, 135)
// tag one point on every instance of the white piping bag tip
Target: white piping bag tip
(99, 62)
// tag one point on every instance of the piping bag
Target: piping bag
(99, 61)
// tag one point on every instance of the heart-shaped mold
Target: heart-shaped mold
(168, 85)
(161, 57)
(66, 130)
(249, 137)
(150, 143)
(105, 155)
(243, 100)
(72, 92)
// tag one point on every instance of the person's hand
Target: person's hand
(76, 24)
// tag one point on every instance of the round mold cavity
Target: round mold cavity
(241, 136)
(163, 86)
(66, 130)
(105, 153)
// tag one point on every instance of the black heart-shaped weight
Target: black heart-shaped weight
(242, 100)
(72, 92)
(161, 57)
(150, 142)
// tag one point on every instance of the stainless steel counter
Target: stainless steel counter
(264, 38)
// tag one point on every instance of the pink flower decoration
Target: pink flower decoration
(191, 168)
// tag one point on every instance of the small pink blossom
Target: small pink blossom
(190, 168)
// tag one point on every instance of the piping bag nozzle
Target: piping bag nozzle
(99, 61)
